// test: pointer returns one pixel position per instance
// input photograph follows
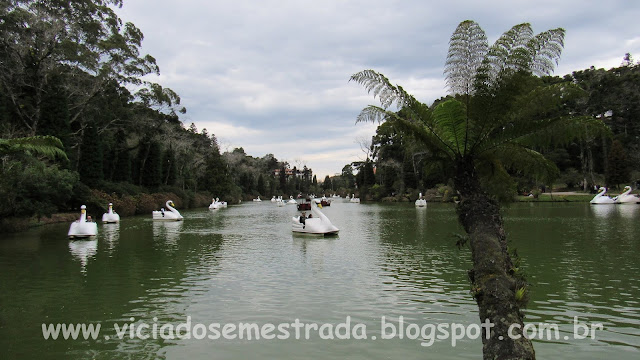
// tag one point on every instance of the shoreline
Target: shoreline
(21, 224)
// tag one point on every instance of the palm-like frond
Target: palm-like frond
(380, 86)
(47, 146)
(545, 49)
(450, 122)
(523, 160)
(414, 116)
(426, 136)
(467, 49)
(374, 114)
(509, 51)
(518, 49)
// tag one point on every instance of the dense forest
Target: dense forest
(73, 70)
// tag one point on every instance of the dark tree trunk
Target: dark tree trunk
(493, 282)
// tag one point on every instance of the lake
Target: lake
(242, 266)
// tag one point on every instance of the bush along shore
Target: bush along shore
(125, 205)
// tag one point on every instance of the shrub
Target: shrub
(30, 187)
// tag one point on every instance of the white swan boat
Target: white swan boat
(215, 205)
(292, 201)
(421, 202)
(317, 223)
(257, 200)
(626, 197)
(354, 199)
(82, 228)
(171, 215)
(223, 204)
(110, 216)
(280, 202)
(273, 198)
(601, 198)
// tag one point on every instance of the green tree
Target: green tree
(499, 112)
(169, 168)
(216, 177)
(152, 169)
(90, 161)
(347, 175)
(122, 159)
(326, 184)
(260, 185)
(618, 170)
(81, 41)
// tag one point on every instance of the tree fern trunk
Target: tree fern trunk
(493, 282)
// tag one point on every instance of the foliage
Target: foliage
(618, 170)
(30, 187)
(82, 43)
(90, 165)
(46, 146)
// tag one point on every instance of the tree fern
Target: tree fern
(47, 146)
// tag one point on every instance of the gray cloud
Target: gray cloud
(272, 76)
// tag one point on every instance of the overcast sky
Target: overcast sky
(272, 76)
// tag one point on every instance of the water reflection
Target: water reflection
(628, 211)
(83, 250)
(111, 233)
(421, 219)
(603, 210)
(169, 231)
(313, 249)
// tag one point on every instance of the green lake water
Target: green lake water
(243, 265)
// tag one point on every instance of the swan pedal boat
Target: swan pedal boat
(214, 205)
(82, 228)
(171, 215)
(354, 199)
(110, 217)
(319, 224)
(217, 204)
(421, 202)
(280, 202)
(626, 197)
(601, 198)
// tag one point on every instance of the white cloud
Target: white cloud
(272, 76)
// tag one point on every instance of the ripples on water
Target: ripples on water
(242, 264)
